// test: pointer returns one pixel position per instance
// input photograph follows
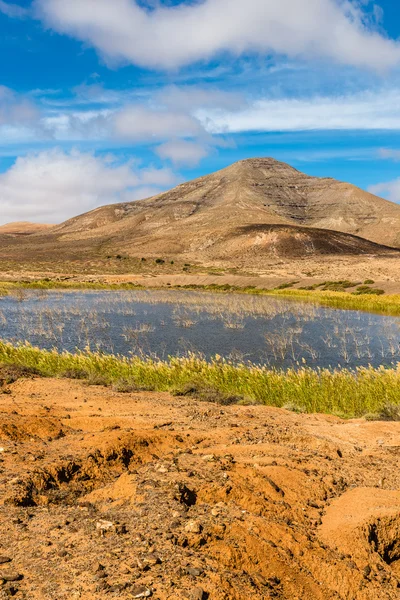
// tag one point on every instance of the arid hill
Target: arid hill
(23, 228)
(253, 211)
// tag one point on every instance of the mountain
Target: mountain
(253, 209)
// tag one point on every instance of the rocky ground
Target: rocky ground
(138, 495)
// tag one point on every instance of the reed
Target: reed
(348, 393)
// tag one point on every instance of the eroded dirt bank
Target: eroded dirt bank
(108, 495)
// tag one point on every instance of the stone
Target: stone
(194, 527)
(209, 457)
(141, 592)
(194, 572)
(152, 560)
(10, 576)
(197, 594)
(104, 526)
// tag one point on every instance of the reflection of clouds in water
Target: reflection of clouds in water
(239, 327)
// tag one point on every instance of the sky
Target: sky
(106, 101)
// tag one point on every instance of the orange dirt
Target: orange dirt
(106, 495)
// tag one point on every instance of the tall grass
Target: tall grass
(385, 305)
(342, 392)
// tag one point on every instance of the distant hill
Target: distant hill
(23, 228)
(253, 209)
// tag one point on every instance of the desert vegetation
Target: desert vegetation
(348, 393)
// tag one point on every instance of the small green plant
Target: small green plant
(365, 289)
(160, 261)
(338, 286)
(284, 286)
(369, 282)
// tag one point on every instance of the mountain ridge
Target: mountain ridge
(287, 213)
(262, 191)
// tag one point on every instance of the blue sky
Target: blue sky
(113, 100)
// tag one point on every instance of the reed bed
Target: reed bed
(386, 304)
(348, 393)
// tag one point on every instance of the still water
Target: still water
(277, 332)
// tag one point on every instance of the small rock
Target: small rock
(11, 576)
(141, 592)
(194, 572)
(104, 526)
(194, 527)
(209, 457)
(367, 571)
(197, 594)
(152, 560)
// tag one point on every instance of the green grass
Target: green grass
(341, 392)
(10, 287)
(376, 303)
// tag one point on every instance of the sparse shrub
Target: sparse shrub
(11, 373)
(119, 257)
(338, 286)
(364, 289)
(284, 286)
(369, 282)
(96, 379)
(160, 261)
(143, 260)
(126, 386)
(293, 407)
(388, 412)
(74, 374)
(206, 393)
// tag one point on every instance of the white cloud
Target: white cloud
(389, 190)
(13, 10)
(14, 109)
(182, 152)
(368, 110)
(138, 122)
(52, 186)
(389, 153)
(173, 36)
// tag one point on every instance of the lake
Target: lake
(260, 329)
